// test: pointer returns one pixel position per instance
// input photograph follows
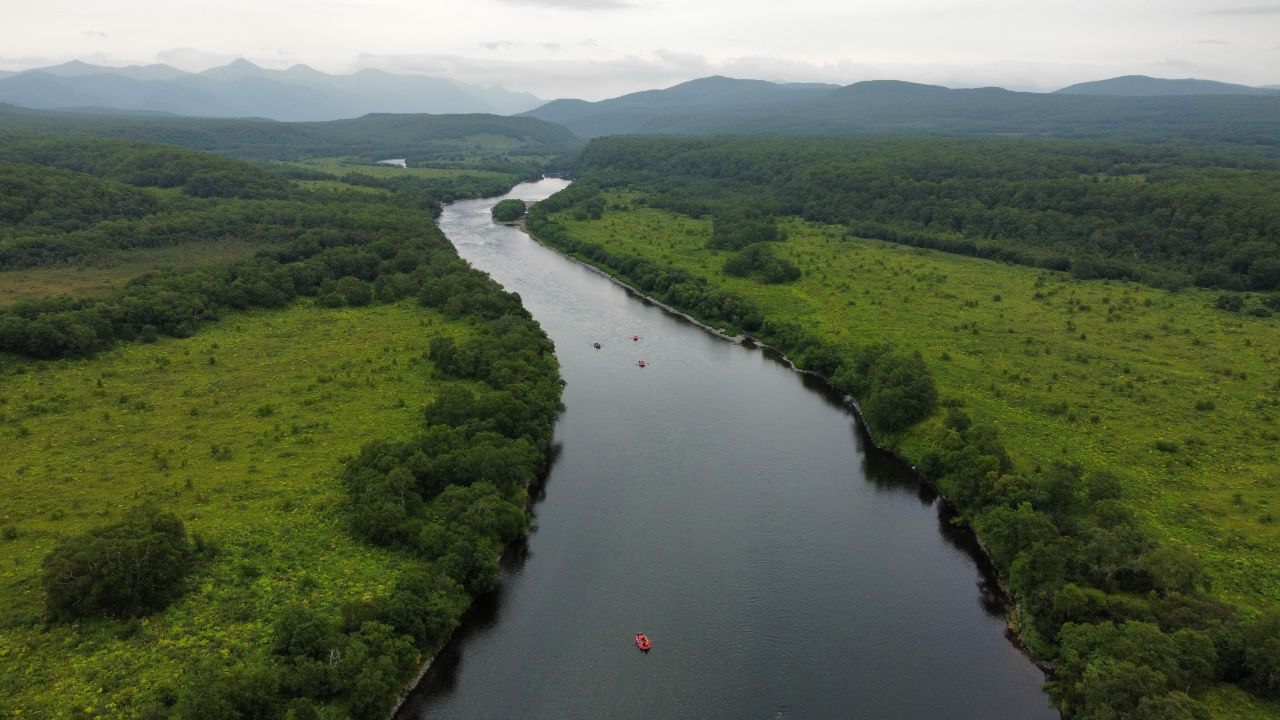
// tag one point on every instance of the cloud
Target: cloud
(499, 45)
(574, 4)
(1250, 10)
(599, 78)
(96, 33)
(1212, 42)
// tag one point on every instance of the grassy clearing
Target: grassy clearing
(1181, 400)
(101, 277)
(238, 430)
(339, 166)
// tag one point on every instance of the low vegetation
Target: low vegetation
(1165, 217)
(1113, 444)
(255, 487)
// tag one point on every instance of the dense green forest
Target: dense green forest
(428, 503)
(979, 387)
(1164, 217)
(371, 138)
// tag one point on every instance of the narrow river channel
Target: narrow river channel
(730, 509)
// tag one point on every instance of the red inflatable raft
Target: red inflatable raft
(642, 363)
(642, 642)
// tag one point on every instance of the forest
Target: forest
(1137, 618)
(429, 502)
(370, 138)
(1164, 217)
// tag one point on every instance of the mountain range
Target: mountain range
(242, 89)
(1201, 114)
(1144, 86)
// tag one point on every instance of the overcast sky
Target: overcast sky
(603, 48)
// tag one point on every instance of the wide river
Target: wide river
(732, 510)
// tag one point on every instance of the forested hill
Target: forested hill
(1099, 210)
(372, 137)
(723, 105)
(1138, 85)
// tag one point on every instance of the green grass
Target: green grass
(1101, 373)
(1179, 399)
(339, 166)
(102, 276)
(240, 431)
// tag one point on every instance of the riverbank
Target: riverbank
(989, 566)
(886, 309)
(748, 507)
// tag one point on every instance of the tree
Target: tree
(508, 210)
(901, 392)
(126, 569)
(1262, 654)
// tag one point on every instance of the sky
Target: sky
(603, 48)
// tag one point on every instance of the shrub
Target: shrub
(1229, 302)
(1262, 655)
(509, 210)
(758, 261)
(738, 228)
(122, 570)
(901, 392)
(245, 691)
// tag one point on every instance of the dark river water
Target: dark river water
(730, 509)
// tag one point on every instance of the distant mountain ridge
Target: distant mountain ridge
(243, 89)
(1250, 122)
(1144, 86)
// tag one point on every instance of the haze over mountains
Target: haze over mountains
(242, 89)
(1200, 112)
(1203, 112)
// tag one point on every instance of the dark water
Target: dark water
(730, 509)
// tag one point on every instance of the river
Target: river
(732, 510)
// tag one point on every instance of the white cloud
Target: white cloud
(1250, 10)
(574, 4)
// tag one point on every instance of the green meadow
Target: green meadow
(1180, 399)
(239, 430)
(1177, 398)
(106, 274)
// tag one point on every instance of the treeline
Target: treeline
(371, 138)
(344, 253)
(1141, 213)
(1126, 622)
(451, 498)
(897, 387)
(78, 198)
(144, 165)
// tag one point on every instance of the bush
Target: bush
(1229, 302)
(736, 229)
(123, 570)
(508, 210)
(245, 691)
(759, 261)
(901, 392)
(1262, 655)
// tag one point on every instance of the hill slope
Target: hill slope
(751, 106)
(373, 137)
(1144, 86)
